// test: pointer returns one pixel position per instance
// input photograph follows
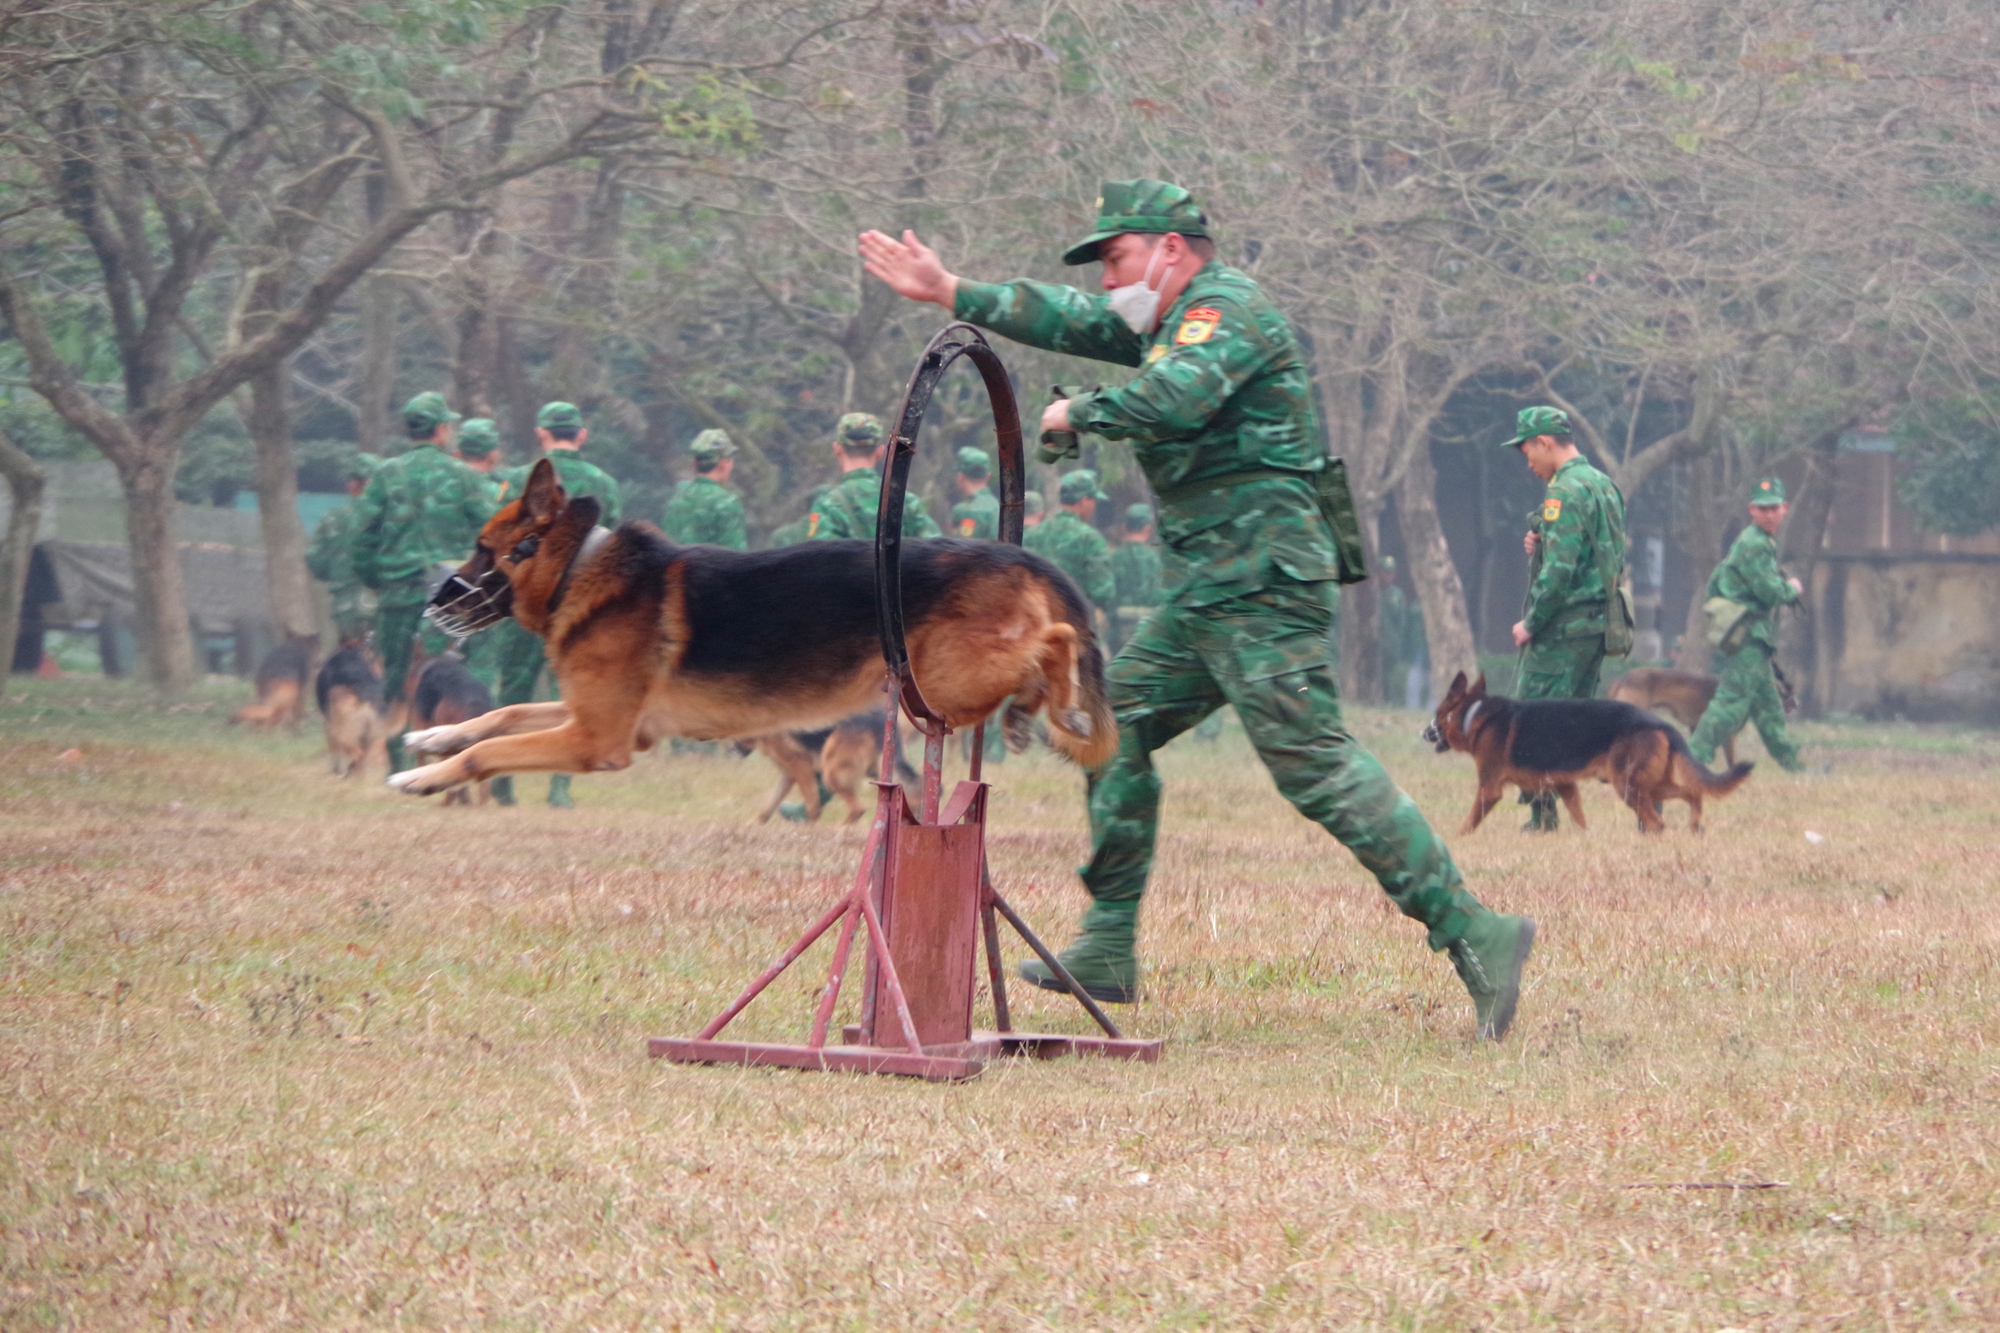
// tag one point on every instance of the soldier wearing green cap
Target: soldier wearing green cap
(421, 511)
(1073, 545)
(1749, 578)
(1220, 417)
(848, 509)
(560, 431)
(704, 509)
(1576, 549)
(977, 514)
(330, 558)
(1135, 573)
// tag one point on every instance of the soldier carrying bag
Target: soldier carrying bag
(1728, 623)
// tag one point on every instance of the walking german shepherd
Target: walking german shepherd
(841, 756)
(349, 691)
(1553, 744)
(281, 685)
(650, 640)
(443, 692)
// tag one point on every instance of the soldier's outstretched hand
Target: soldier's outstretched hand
(909, 267)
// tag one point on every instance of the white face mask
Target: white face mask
(1138, 303)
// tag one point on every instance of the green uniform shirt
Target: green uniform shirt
(422, 508)
(1135, 569)
(704, 510)
(1581, 524)
(577, 476)
(978, 515)
(1078, 550)
(1749, 574)
(1222, 389)
(330, 558)
(848, 510)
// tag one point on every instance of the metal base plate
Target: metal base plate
(939, 1064)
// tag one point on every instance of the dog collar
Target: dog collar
(1471, 713)
(592, 541)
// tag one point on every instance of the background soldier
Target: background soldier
(1749, 576)
(1135, 572)
(704, 509)
(1074, 546)
(1577, 551)
(1220, 417)
(478, 449)
(422, 509)
(560, 430)
(978, 513)
(330, 558)
(1031, 512)
(794, 532)
(848, 510)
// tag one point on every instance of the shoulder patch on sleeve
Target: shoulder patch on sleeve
(1552, 509)
(1155, 352)
(812, 524)
(1198, 325)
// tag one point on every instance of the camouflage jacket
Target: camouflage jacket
(1580, 525)
(1749, 574)
(1222, 390)
(848, 510)
(978, 515)
(1080, 551)
(422, 508)
(578, 476)
(330, 558)
(1135, 568)
(794, 532)
(704, 510)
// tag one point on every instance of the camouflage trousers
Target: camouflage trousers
(398, 621)
(1264, 654)
(1558, 669)
(1746, 692)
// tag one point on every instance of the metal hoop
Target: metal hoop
(952, 342)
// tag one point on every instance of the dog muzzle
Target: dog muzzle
(461, 607)
(1433, 736)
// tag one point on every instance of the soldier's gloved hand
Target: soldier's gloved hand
(1057, 445)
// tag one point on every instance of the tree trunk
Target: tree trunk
(287, 585)
(1447, 628)
(375, 385)
(1702, 534)
(1361, 625)
(26, 481)
(165, 635)
(1804, 537)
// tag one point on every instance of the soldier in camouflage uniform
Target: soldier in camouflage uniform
(560, 430)
(479, 449)
(848, 510)
(1579, 533)
(1135, 572)
(794, 532)
(1749, 575)
(978, 514)
(422, 510)
(1031, 512)
(1069, 542)
(704, 509)
(1220, 417)
(330, 558)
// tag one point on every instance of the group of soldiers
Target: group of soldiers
(1576, 545)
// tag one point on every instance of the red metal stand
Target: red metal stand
(923, 888)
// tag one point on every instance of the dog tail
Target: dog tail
(1712, 783)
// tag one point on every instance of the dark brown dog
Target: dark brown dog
(1683, 696)
(1552, 744)
(651, 640)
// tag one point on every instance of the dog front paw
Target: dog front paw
(434, 740)
(426, 781)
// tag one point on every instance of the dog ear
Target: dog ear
(1479, 686)
(1457, 685)
(543, 498)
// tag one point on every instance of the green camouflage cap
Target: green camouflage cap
(362, 466)
(1031, 503)
(974, 462)
(425, 413)
(1769, 491)
(1081, 485)
(1150, 207)
(1138, 516)
(859, 428)
(1533, 421)
(712, 446)
(478, 437)
(559, 416)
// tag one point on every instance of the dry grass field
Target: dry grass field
(282, 1052)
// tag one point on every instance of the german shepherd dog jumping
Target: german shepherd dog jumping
(650, 640)
(1553, 744)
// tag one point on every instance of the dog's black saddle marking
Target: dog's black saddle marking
(448, 678)
(349, 667)
(1565, 735)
